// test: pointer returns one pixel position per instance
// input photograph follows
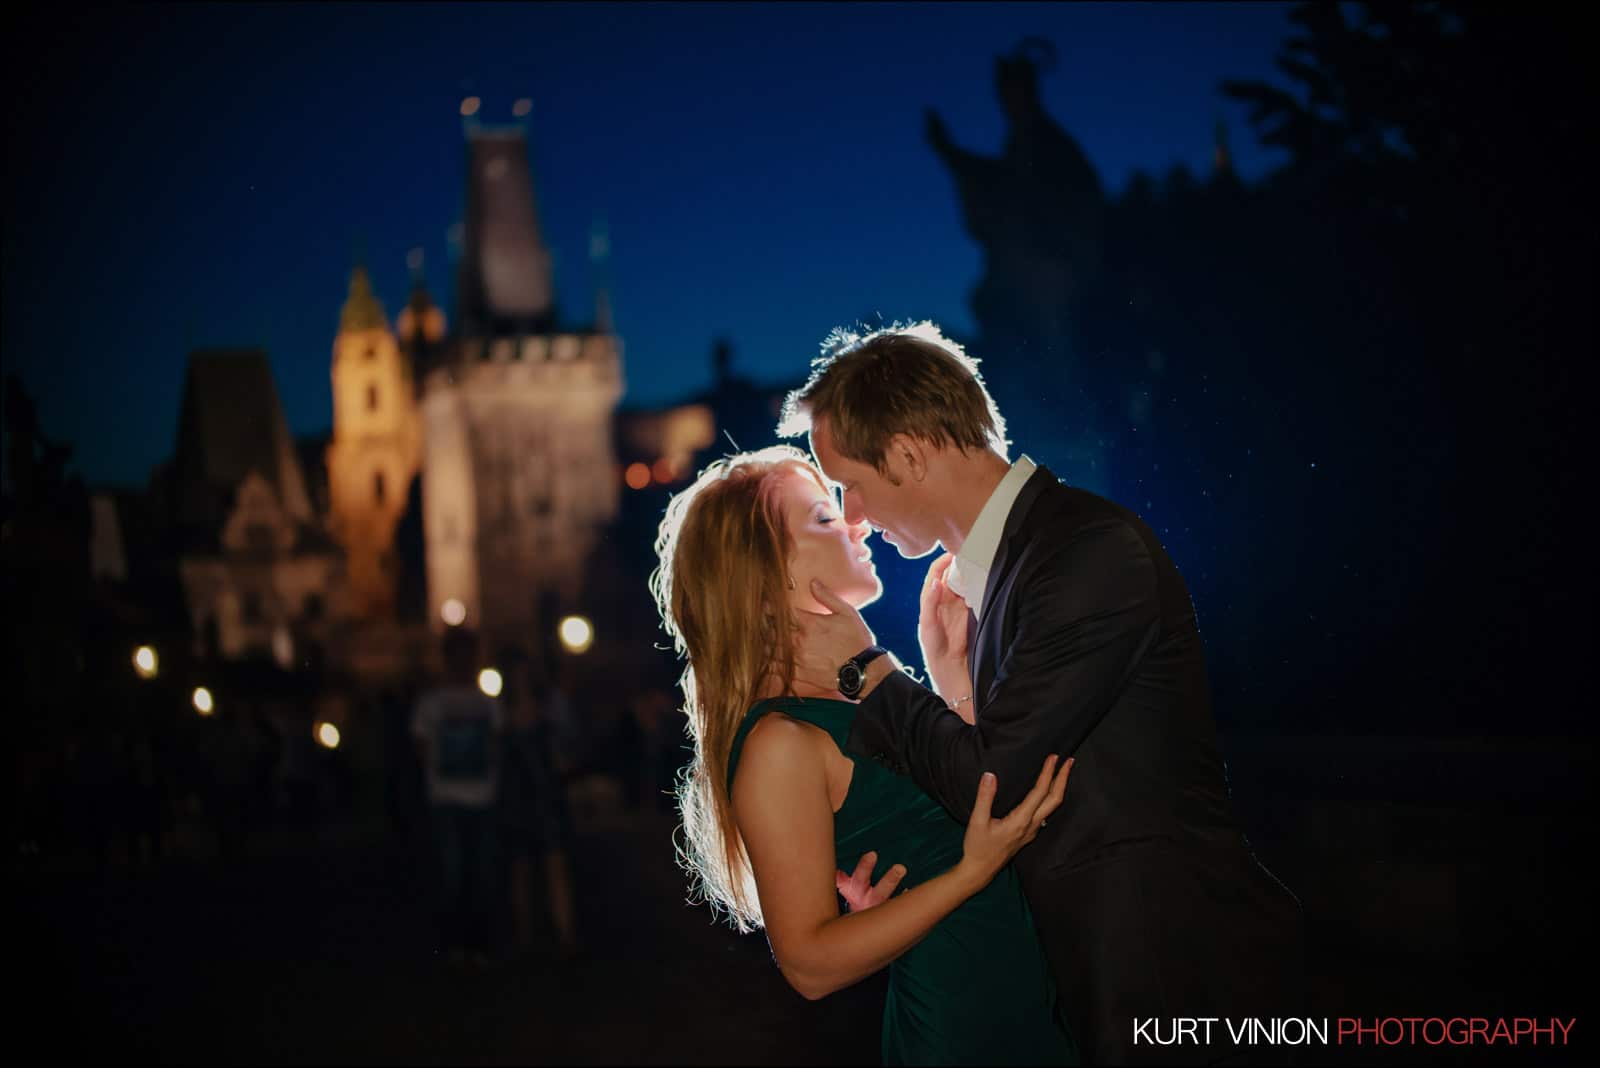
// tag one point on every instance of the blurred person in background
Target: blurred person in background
(661, 725)
(535, 820)
(458, 729)
(230, 760)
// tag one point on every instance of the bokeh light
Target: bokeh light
(470, 105)
(328, 736)
(490, 682)
(453, 612)
(637, 476)
(576, 634)
(203, 702)
(145, 662)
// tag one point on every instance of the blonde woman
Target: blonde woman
(774, 811)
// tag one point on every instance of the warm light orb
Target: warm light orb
(283, 648)
(470, 105)
(453, 612)
(576, 633)
(328, 735)
(637, 476)
(145, 662)
(663, 470)
(203, 703)
(522, 107)
(490, 682)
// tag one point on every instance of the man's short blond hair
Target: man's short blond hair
(901, 379)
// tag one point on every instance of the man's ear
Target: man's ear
(909, 456)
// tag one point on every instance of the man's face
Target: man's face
(897, 512)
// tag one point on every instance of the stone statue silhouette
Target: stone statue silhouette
(1036, 210)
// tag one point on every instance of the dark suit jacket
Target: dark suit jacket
(1147, 896)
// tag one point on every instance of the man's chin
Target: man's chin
(907, 551)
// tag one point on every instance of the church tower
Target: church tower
(376, 447)
(519, 474)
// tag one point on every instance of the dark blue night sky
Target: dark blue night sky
(203, 175)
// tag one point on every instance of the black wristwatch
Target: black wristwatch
(854, 671)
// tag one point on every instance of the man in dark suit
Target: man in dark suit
(1081, 641)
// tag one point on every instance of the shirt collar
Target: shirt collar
(969, 571)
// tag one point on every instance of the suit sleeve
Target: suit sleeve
(1086, 614)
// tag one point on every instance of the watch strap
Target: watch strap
(868, 655)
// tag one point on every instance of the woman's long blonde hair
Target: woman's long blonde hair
(721, 587)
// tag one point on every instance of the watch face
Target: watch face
(850, 678)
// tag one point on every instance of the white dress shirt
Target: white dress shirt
(969, 571)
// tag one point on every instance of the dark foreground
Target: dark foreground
(317, 947)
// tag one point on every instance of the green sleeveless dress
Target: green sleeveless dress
(977, 988)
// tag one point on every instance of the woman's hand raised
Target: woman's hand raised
(941, 618)
(991, 843)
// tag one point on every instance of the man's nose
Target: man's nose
(852, 510)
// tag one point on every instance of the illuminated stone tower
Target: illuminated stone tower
(518, 469)
(376, 447)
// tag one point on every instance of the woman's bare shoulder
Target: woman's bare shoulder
(779, 736)
(777, 748)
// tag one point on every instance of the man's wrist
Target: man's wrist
(876, 672)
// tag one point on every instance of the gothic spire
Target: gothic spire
(420, 320)
(362, 311)
(503, 279)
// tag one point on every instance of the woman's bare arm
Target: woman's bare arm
(782, 809)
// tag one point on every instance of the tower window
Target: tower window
(372, 398)
(250, 607)
(377, 486)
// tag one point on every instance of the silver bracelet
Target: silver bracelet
(957, 702)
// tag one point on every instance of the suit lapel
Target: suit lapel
(1003, 557)
(982, 637)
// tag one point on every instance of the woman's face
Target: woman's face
(826, 548)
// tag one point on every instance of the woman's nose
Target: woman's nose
(859, 530)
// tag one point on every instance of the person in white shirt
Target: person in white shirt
(458, 731)
(1054, 622)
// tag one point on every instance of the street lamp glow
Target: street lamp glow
(145, 662)
(453, 612)
(576, 633)
(490, 682)
(328, 735)
(203, 703)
